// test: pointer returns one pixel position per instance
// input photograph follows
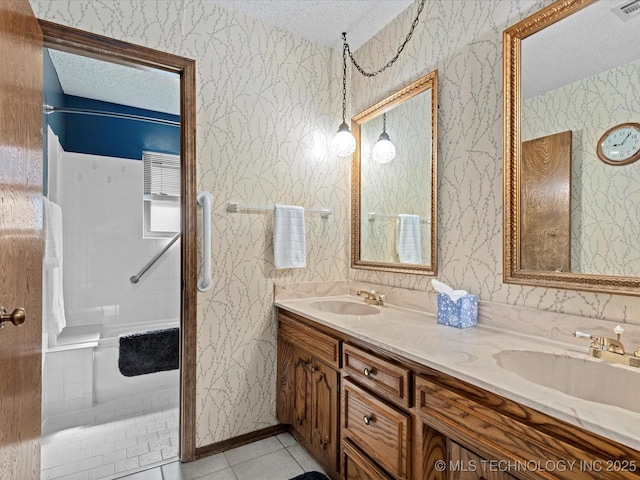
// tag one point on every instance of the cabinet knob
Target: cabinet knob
(314, 369)
(368, 372)
(367, 420)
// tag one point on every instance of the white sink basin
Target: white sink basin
(583, 378)
(342, 307)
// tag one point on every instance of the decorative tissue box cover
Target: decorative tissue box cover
(462, 313)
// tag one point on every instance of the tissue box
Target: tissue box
(462, 313)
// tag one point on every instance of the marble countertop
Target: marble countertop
(469, 354)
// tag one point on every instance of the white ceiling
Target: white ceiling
(321, 21)
(588, 42)
(150, 89)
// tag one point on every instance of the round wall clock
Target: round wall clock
(620, 145)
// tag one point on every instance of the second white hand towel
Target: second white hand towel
(408, 242)
(289, 242)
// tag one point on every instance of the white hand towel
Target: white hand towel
(408, 242)
(289, 243)
(53, 318)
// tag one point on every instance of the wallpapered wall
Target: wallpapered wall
(400, 186)
(266, 109)
(463, 40)
(605, 229)
(268, 102)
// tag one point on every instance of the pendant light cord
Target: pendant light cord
(346, 49)
(344, 82)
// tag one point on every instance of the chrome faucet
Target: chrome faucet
(611, 348)
(372, 298)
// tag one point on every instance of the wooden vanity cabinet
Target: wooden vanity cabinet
(364, 413)
(308, 389)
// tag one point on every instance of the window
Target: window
(161, 195)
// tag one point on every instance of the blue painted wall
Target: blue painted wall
(52, 94)
(116, 137)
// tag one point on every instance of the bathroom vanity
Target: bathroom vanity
(387, 393)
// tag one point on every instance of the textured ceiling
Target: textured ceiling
(136, 87)
(321, 21)
(588, 42)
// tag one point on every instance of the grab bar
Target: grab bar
(135, 278)
(205, 282)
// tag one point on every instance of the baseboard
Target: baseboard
(240, 440)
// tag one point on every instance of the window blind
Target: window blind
(161, 176)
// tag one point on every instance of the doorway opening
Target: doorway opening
(129, 257)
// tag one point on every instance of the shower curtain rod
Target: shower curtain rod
(49, 109)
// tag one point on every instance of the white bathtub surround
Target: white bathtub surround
(472, 355)
(114, 439)
(68, 380)
(102, 201)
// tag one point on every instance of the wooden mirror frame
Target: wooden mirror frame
(512, 273)
(430, 80)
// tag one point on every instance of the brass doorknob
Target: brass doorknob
(16, 317)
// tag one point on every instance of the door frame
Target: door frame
(61, 37)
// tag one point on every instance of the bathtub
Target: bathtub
(108, 383)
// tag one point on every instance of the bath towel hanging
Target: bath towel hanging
(408, 241)
(53, 315)
(289, 242)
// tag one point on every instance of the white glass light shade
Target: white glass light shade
(383, 151)
(344, 143)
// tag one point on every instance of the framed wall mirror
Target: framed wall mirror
(394, 188)
(572, 97)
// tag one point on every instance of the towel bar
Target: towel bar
(373, 216)
(236, 207)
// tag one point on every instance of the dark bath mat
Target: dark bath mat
(149, 352)
(311, 476)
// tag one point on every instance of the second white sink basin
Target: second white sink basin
(583, 378)
(341, 307)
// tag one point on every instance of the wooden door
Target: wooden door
(20, 238)
(466, 465)
(545, 186)
(324, 413)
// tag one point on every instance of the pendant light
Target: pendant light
(344, 143)
(383, 151)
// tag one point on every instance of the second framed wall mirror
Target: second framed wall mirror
(394, 182)
(571, 138)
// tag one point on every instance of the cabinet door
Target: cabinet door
(357, 466)
(324, 414)
(301, 406)
(466, 465)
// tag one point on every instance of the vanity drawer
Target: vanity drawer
(357, 466)
(379, 429)
(318, 344)
(385, 378)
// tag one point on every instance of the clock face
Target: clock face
(621, 144)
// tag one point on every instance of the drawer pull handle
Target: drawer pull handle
(367, 420)
(368, 372)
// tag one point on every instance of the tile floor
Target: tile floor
(112, 440)
(274, 458)
(137, 439)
